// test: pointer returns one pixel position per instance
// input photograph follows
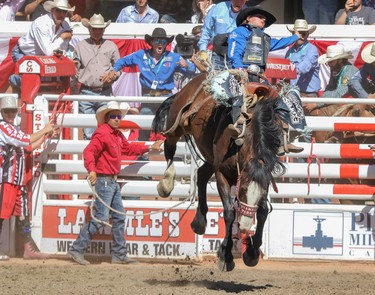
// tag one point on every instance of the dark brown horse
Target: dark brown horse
(193, 112)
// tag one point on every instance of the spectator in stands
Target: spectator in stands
(140, 12)
(304, 56)
(46, 35)
(9, 9)
(354, 13)
(84, 8)
(341, 72)
(200, 9)
(94, 56)
(13, 192)
(369, 3)
(220, 20)
(157, 67)
(102, 159)
(362, 84)
(319, 11)
(248, 47)
(35, 8)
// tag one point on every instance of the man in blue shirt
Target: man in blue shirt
(221, 19)
(156, 65)
(248, 48)
(140, 12)
(362, 84)
(304, 56)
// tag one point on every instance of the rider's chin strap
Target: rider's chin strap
(309, 161)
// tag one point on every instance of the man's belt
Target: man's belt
(95, 89)
(155, 92)
(107, 176)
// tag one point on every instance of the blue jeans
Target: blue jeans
(17, 54)
(109, 190)
(220, 63)
(320, 11)
(88, 107)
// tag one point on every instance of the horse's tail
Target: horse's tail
(266, 133)
(159, 122)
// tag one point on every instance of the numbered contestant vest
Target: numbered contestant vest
(257, 48)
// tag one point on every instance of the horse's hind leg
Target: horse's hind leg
(251, 255)
(199, 222)
(166, 184)
(225, 257)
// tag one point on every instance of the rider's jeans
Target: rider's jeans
(109, 190)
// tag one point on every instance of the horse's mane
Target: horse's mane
(265, 137)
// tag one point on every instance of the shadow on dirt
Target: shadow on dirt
(229, 287)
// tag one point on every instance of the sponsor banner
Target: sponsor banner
(215, 231)
(100, 247)
(161, 234)
(334, 232)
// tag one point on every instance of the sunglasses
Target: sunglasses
(303, 33)
(160, 41)
(119, 116)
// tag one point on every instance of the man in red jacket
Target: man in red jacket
(102, 159)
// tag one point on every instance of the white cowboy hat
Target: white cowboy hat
(334, 52)
(301, 25)
(60, 4)
(111, 106)
(9, 102)
(96, 21)
(368, 53)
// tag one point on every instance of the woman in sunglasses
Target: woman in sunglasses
(157, 66)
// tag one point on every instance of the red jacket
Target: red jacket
(103, 153)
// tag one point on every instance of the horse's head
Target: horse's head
(257, 157)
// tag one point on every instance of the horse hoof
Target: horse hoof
(250, 261)
(199, 230)
(225, 266)
(164, 190)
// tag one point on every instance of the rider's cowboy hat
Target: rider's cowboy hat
(334, 52)
(300, 25)
(111, 106)
(9, 102)
(96, 21)
(158, 33)
(368, 53)
(242, 16)
(60, 4)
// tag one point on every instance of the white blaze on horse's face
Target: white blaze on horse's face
(253, 195)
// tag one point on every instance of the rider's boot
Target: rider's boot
(237, 130)
(286, 146)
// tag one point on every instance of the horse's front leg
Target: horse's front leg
(251, 255)
(166, 184)
(225, 257)
(203, 176)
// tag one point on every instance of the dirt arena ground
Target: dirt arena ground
(62, 276)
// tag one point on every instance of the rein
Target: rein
(310, 159)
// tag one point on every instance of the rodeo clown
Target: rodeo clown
(248, 48)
